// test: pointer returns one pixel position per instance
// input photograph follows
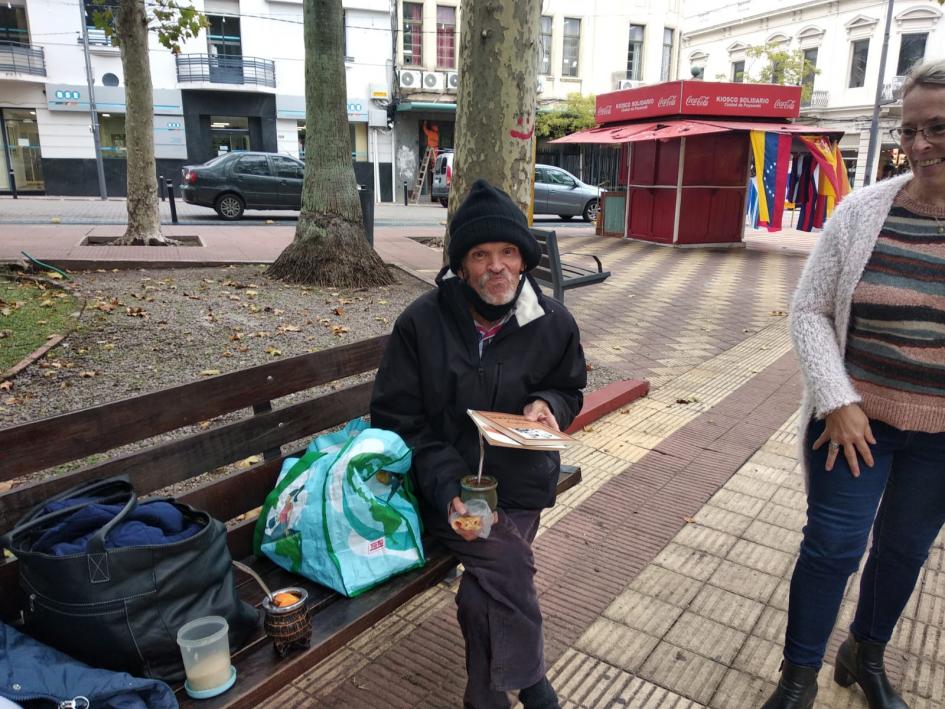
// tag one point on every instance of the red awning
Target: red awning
(667, 130)
(605, 134)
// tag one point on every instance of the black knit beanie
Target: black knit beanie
(489, 214)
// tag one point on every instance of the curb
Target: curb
(607, 399)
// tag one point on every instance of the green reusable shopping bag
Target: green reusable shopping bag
(344, 514)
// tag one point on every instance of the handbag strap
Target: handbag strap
(109, 491)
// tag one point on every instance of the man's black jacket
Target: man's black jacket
(431, 374)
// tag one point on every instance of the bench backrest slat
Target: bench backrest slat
(167, 463)
(548, 271)
(82, 433)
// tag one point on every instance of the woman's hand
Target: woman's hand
(847, 428)
(538, 410)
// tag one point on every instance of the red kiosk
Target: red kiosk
(685, 156)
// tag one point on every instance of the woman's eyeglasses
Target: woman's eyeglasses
(934, 133)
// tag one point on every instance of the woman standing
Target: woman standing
(868, 323)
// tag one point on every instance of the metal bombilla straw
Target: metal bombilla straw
(482, 456)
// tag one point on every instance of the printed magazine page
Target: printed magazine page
(515, 431)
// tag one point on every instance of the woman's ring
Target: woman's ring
(834, 446)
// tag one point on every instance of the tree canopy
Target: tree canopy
(173, 22)
(576, 113)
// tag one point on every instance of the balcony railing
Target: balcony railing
(817, 99)
(226, 70)
(22, 59)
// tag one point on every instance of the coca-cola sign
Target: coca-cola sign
(699, 98)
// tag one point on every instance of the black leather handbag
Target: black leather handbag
(120, 608)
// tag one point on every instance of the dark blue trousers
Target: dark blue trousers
(497, 607)
(907, 485)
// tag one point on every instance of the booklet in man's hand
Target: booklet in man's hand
(515, 431)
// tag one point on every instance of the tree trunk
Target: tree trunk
(496, 102)
(144, 222)
(329, 248)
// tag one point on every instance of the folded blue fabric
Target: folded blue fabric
(150, 523)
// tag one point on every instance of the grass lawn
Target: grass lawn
(29, 314)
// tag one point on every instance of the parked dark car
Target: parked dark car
(238, 181)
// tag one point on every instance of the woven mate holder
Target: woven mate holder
(289, 627)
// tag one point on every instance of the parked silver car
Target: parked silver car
(557, 191)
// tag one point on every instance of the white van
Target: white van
(443, 176)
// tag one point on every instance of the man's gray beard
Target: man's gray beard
(492, 299)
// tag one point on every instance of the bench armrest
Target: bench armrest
(600, 266)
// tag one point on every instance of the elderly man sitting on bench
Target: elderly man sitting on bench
(486, 339)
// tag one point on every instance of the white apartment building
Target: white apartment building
(843, 38)
(586, 47)
(239, 85)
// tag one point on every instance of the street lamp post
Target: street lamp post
(102, 191)
(874, 123)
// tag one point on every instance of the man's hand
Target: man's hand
(459, 508)
(538, 410)
(847, 428)
(470, 535)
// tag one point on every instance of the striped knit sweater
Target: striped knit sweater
(895, 352)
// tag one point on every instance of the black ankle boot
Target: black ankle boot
(862, 662)
(540, 695)
(796, 689)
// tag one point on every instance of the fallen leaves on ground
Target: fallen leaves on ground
(209, 372)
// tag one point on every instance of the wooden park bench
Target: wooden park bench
(260, 430)
(559, 276)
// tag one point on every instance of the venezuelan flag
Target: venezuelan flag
(772, 154)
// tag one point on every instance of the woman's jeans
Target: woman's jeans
(909, 476)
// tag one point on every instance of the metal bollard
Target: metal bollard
(161, 187)
(13, 183)
(170, 199)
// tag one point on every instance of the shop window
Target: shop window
(738, 71)
(911, 52)
(858, 56)
(23, 151)
(229, 134)
(413, 34)
(544, 47)
(445, 36)
(111, 132)
(359, 142)
(635, 53)
(667, 61)
(571, 48)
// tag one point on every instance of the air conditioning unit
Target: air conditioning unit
(434, 81)
(452, 81)
(410, 79)
(628, 84)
